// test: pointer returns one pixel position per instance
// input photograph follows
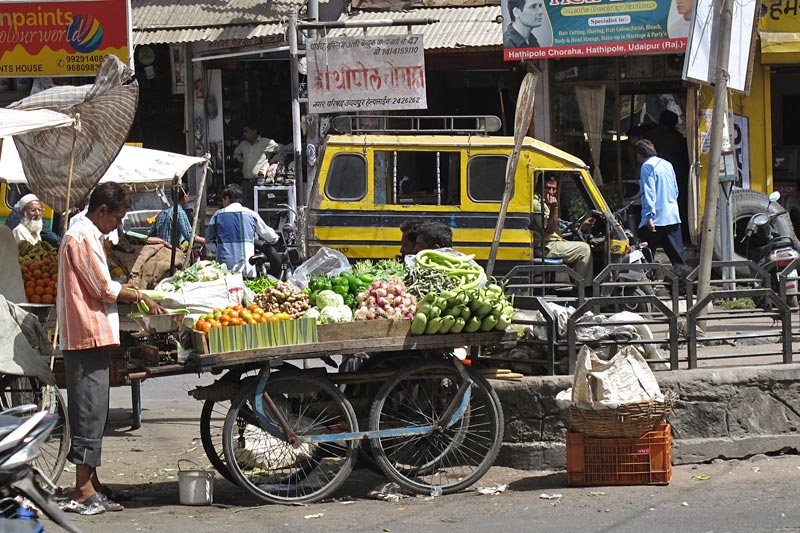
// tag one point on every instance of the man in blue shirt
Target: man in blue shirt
(234, 229)
(162, 227)
(661, 221)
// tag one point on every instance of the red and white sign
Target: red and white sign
(61, 38)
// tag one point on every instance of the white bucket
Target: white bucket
(196, 487)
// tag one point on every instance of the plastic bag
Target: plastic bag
(325, 261)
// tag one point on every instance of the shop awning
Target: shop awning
(458, 27)
(779, 47)
(188, 21)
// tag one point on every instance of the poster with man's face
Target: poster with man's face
(540, 29)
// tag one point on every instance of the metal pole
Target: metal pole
(296, 137)
(712, 181)
(174, 237)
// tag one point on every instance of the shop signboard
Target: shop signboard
(701, 55)
(780, 16)
(541, 29)
(61, 38)
(367, 73)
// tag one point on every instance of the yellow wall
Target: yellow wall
(756, 107)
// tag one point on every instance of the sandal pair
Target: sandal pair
(96, 504)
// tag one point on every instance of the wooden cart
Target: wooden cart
(417, 413)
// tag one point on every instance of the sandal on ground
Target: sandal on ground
(85, 509)
(107, 503)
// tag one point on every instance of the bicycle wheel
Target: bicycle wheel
(449, 459)
(212, 423)
(21, 390)
(267, 464)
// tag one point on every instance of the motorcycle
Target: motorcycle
(280, 259)
(21, 439)
(771, 251)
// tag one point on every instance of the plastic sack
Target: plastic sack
(204, 296)
(625, 378)
(325, 261)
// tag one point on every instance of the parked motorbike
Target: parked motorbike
(280, 259)
(21, 439)
(770, 250)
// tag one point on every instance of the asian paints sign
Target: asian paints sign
(61, 38)
(538, 29)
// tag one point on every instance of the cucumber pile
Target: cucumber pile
(466, 311)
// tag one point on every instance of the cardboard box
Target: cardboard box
(364, 329)
(250, 337)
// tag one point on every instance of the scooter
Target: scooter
(771, 251)
(21, 439)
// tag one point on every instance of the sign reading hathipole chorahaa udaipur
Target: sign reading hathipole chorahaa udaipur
(61, 38)
(368, 73)
(538, 29)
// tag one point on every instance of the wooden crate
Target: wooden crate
(117, 371)
(365, 329)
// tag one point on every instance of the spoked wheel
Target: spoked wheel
(212, 423)
(267, 464)
(21, 390)
(452, 458)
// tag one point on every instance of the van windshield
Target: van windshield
(417, 177)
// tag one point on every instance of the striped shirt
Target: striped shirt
(234, 229)
(162, 227)
(87, 296)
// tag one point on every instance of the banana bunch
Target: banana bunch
(37, 252)
(143, 307)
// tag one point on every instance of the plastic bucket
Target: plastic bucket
(196, 487)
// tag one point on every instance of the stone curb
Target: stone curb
(722, 412)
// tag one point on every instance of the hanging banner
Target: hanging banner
(368, 73)
(539, 29)
(61, 38)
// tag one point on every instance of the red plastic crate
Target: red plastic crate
(595, 461)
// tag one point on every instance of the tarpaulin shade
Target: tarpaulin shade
(105, 112)
(132, 166)
(13, 122)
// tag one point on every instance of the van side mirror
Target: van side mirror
(775, 196)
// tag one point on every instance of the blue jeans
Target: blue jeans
(669, 238)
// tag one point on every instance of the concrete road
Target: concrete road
(741, 496)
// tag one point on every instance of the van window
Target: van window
(486, 176)
(417, 177)
(573, 199)
(347, 178)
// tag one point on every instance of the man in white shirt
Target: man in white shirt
(30, 224)
(234, 229)
(253, 153)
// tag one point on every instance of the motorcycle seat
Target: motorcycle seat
(257, 259)
(547, 261)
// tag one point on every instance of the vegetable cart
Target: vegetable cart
(428, 421)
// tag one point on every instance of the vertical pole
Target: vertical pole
(712, 181)
(174, 237)
(296, 138)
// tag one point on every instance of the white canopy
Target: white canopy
(132, 166)
(14, 122)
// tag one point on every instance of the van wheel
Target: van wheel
(745, 203)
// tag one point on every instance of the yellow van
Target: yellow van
(368, 183)
(10, 193)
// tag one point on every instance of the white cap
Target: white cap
(25, 200)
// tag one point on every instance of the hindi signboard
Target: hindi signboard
(540, 29)
(61, 38)
(367, 73)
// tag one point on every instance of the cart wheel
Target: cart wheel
(212, 422)
(21, 390)
(271, 468)
(451, 459)
(136, 403)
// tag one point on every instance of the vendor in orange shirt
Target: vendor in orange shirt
(88, 330)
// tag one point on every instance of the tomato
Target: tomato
(272, 318)
(215, 324)
(283, 316)
(252, 307)
(264, 319)
(199, 324)
(251, 322)
(247, 315)
(257, 316)
(234, 314)
(206, 327)
(217, 310)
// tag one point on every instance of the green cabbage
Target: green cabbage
(333, 314)
(329, 299)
